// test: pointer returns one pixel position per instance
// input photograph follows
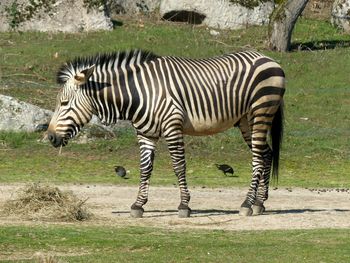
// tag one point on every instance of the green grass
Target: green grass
(36, 161)
(137, 244)
(316, 150)
(25, 159)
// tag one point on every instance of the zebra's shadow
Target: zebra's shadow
(173, 212)
(219, 212)
(194, 212)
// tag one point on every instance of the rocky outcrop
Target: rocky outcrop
(54, 16)
(341, 14)
(83, 15)
(223, 14)
(17, 115)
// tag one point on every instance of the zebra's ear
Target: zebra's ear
(83, 76)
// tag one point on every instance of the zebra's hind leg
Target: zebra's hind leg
(263, 189)
(147, 147)
(177, 152)
(260, 149)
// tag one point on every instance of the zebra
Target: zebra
(169, 97)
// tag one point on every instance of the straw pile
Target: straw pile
(45, 202)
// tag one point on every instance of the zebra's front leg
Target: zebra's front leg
(177, 153)
(147, 147)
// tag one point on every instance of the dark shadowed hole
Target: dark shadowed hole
(116, 23)
(184, 16)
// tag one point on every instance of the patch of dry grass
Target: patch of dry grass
(44, 202)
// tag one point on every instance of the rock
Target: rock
(54, 16)
(318, 9)
(17, 115)
(214, 32)
(223, 14)
(341, 15)
(132, 6)
(95, 129)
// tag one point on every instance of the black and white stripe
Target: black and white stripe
(172, 96)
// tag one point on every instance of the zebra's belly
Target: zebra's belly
(206, 127)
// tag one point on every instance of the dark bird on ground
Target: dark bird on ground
(225, 168)
(120, 171)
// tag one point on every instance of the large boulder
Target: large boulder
(341, 15)
(223, 14)
(53, 16)
(17, 115)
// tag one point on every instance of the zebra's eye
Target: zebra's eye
(64, 102)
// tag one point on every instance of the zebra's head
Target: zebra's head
(73, 109)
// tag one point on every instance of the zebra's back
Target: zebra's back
(215, 93)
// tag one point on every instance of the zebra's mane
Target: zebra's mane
(70, 68)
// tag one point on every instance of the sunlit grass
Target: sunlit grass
(138, 244)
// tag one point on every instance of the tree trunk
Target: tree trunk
(282, 22)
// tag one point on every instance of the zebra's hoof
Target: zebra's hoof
(183, 213)
(245, 211)
(136, 213)
(258, 210)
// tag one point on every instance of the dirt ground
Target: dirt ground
(211, 208)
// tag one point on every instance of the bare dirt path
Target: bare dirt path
(212, 208)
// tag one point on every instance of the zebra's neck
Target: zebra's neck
(115, 101)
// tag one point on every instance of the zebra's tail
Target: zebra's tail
(276, 139)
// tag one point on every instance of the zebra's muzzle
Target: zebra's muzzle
(57, 140)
